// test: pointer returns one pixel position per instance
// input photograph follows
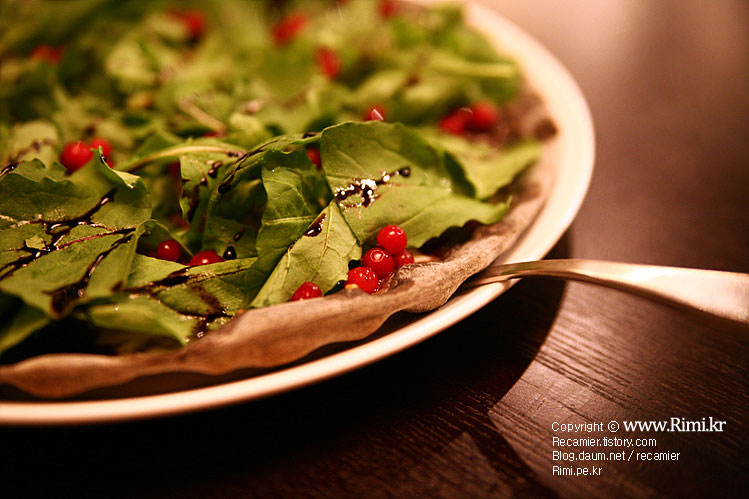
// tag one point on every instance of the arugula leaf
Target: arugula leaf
(34, 139)
(87, 224)
(289, 181)
(214, 289)
(321, 256)
(141, 313)
(385, 173)
(201, 172)
(486, 166)
(25, 321)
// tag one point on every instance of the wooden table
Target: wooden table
(472, 412)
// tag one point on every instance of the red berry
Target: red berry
(403, 259)
(106, 148)
(313, 153)
(456, 122)
(375, 113)
(193, 20)
(46, 53)
(169, 250)
(75, 155)
(289, 27)
(388, 8)
(205, 257)
(306, 290)
(379, 260)
(363, 277)
(393, 239)
(485, 115)
(329, 62)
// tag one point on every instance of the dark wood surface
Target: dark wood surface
(470, 412)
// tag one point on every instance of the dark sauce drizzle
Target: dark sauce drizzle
(63, 297)
(316, 227)
(194, 199)
(8, 168)
(366, 188)
(180, 277)
(239, 234)
(226, 186)
(230, 253)
(34, 146)
(214, 166)
(58, 229)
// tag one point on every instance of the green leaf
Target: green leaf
(34, 139)
(376, 156)
(286, 73)
(89, 224)
(130, 65)
(201, 172)
(486, 166)
(214, 289)
(141, 313)
(289, 181)
(21, 326)
(321, 256)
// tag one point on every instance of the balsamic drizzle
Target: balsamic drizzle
(64, 296)
(214, 166)
(239, 234)
(58, 229)
(226, 186)
(366, 188)
(316, 227)
(230, 253)
(34, 146)
(8, 168)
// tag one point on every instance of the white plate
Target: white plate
(575, 151)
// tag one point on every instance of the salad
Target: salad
(166, 168)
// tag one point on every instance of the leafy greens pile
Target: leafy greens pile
(210, 132)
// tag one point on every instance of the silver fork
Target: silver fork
(719, 295)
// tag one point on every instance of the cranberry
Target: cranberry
(456, 122)
(193, 20)
(205, 257)
(169, 250)
(289, 28)
(363, 277)
(388, 8)
(46, 53)
(75, 155)
(329, 62)
(375, 113)
(404, 259)
(379, 260)
(313, 153)
(106, 148)
(485, 115)
(305, 291)
(392, 239)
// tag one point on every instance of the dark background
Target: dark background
(469, 412)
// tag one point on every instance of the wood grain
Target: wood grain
(469, 413)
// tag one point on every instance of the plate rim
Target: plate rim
(560, 92)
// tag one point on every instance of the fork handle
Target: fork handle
(717, 294)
